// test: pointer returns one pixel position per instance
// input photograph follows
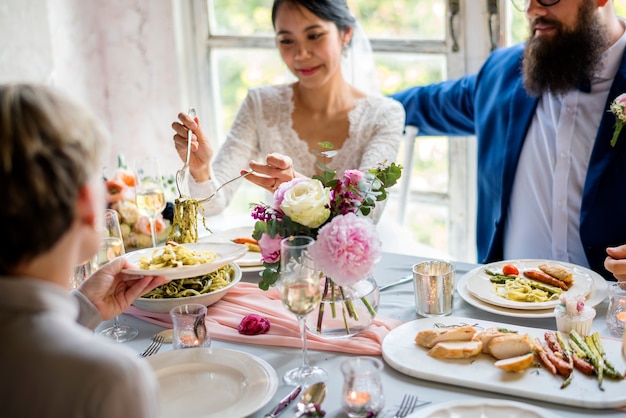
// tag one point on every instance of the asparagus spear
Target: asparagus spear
(597, 362)
(568, 356)
(600, 368)
(610, 370)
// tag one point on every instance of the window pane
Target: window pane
(398, 71)
(240, 69)
(241, 17)
(412, 19)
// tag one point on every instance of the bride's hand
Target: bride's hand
(201, 149)
(276, 170)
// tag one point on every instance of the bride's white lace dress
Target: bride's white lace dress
(263, 125)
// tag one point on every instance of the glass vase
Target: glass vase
(344, 310)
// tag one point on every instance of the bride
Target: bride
(278, 129)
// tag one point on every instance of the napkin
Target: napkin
(224, 317)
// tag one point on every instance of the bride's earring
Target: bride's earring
(344, 50)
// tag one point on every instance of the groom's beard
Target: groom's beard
(562, 62)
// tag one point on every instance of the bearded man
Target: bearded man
(550, 185)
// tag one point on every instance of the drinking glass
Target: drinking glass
(300, 293)
(149, 191)
(112, 246)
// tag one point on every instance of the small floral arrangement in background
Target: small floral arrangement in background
(121, 197)
(617, 107)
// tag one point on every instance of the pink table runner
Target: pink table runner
(246, 298)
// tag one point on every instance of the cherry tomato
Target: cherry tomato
(510, 270)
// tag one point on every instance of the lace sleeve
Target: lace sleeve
(384, 144)
(241, 145)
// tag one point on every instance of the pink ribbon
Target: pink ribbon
(224, 317)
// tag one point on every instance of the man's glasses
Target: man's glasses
(521, 5)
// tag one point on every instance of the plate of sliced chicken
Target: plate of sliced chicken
(508, 359)
(528, 284)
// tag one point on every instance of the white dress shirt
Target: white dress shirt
(543, 218)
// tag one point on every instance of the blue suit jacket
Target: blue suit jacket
(493, 106)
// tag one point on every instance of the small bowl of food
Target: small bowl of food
(206, 290)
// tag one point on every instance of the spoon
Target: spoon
(313, 395)
(182, 173)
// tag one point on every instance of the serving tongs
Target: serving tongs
(181, 174)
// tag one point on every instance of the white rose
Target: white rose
(307, 203)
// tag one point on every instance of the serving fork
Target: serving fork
(154, 347)
(182, 173)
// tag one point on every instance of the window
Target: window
(232, 42)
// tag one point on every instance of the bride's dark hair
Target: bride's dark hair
(335, 11)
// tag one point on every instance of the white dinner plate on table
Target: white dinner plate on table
(226, 252)
(599, 292)
(483, 408)
(250, 261)
(212, 382)
(481, 287)
(479, 373)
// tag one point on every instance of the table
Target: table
(396, 302)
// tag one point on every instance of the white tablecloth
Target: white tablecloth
(397, 302)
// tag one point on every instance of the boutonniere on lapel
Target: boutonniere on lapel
(617, 107)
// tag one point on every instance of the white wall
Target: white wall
(116, 56)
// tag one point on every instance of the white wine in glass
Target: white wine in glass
(112, 246)
(300, 293)
(149, 191)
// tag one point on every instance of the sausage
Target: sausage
(561, 365)
(553, 343)
(542, 277)
(543, 358)
(582, 366)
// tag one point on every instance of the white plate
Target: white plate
(483, 408)
(250, 258)
(599, 292)
(212, 382)
(401, 353)
(481, 287)
(226, 252)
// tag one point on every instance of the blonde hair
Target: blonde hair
(49, 147)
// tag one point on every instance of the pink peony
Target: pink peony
(253, 324)
(279, 194)
(270, 248)
(347, 248)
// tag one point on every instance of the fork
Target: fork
(224, 184)
(154, 347)
(182, 173)
(408, 404)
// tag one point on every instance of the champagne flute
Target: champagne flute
(149, 191)
(300, 293)
(112, 246)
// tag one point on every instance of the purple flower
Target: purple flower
(347, 248)
(270, 248)
(253, 324)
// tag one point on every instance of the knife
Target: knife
(284, 403)
(405, 279)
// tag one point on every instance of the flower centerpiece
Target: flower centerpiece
(332, 211)
(120, 188)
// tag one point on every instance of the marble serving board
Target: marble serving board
(401, 353)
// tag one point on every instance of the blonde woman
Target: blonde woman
(52, 363)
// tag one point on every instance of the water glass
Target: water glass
(362, 393)
(189, 327)
(616, 312)
(81, 273)
(434, 287)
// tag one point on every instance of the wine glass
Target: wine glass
(112, 246)
(300, 293)
(149, 191)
